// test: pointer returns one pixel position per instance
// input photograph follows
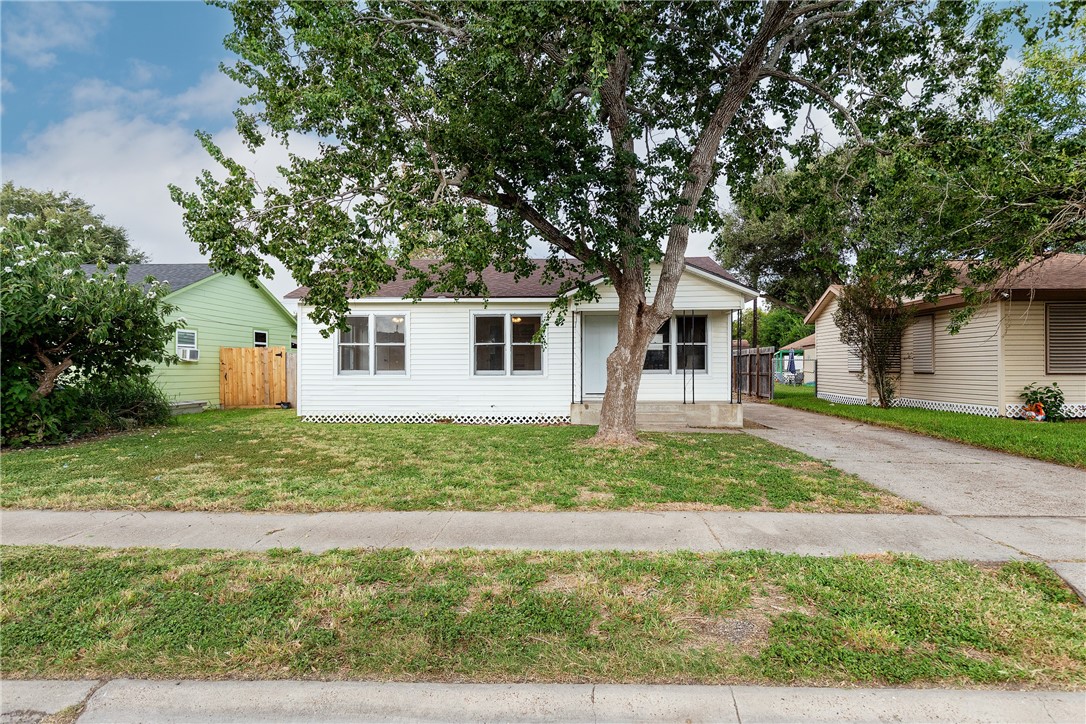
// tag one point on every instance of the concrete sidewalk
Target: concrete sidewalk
(1061, 542)
(124, 700)
(947, 477)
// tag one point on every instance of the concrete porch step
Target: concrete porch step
(667, 414)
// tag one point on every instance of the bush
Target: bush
(1051, 397)
(86, 407)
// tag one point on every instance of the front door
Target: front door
(599, 338)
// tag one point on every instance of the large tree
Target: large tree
(600, 129)
(68, 223)
(954, 203)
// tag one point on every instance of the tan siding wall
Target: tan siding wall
(833, 375)
(1024, 355)
(966, 364)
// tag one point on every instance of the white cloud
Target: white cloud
(140, 72)
(34, 31)
(122, 165)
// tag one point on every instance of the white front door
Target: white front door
(599, 338)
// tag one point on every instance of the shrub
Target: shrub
(65, 333)
(1051, 396)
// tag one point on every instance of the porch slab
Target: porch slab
(708, 414)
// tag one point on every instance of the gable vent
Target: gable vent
(1065, 338)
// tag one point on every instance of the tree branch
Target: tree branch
(818, 91)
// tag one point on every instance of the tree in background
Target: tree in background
(781, 237)
(599, 129)
(776, 328)
(68, 223)
(871, 323)
(69, 337)
(956, 202)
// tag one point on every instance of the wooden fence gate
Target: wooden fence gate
(253, 376)
(753, 371)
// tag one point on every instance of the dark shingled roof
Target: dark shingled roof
(178, 276)
(501, 285)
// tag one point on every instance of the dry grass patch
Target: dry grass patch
(502, 616)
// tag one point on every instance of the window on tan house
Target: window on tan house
(1065, 338)
(855, 362)
(923, 334)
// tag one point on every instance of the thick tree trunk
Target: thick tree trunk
(637, 323)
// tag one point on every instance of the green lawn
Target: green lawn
(270, 460)
(502, 616)
(1063, 442)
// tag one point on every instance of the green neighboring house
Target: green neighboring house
(219, 311)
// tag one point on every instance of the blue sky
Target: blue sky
(102, 99)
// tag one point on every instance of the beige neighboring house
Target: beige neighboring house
(806, 348)
(1032, 330)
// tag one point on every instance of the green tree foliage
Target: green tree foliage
(956, 202)
(597, 129)
(782, 237)
(871, 324)
(68, 223)
(64, 330)
(777, 327)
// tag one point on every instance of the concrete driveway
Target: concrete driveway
(947, 477)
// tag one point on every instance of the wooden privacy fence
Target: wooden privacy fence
(254, 376)
(753, 371)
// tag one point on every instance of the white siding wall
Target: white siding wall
(713, 385)
(1024, 355)
(439, 379)
(966, 364)
(833, 375)
(694, 292)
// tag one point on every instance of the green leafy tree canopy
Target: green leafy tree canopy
(598, 129)
(68, 223)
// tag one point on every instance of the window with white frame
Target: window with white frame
(526, 352)
(390, 344)
(693, 343)
(185, 339)
(260, 338)
(690, 350)
(506, 344)
(855, 362)
(354, 345)
(1065, 338)
(658, 355)
(374, 344)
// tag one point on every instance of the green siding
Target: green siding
(224, 311)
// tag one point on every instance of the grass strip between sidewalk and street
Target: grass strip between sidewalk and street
(1055, 442)
(493, 616)
(271, 460)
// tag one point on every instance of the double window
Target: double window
(691, 351)
(374, 344)
(506, 344)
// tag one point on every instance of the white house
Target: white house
(474, 361)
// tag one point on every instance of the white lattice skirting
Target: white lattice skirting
(984, 410)
(432, 418)
(1068, 410)
(842, 399)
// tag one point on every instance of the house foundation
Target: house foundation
(677, 414)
